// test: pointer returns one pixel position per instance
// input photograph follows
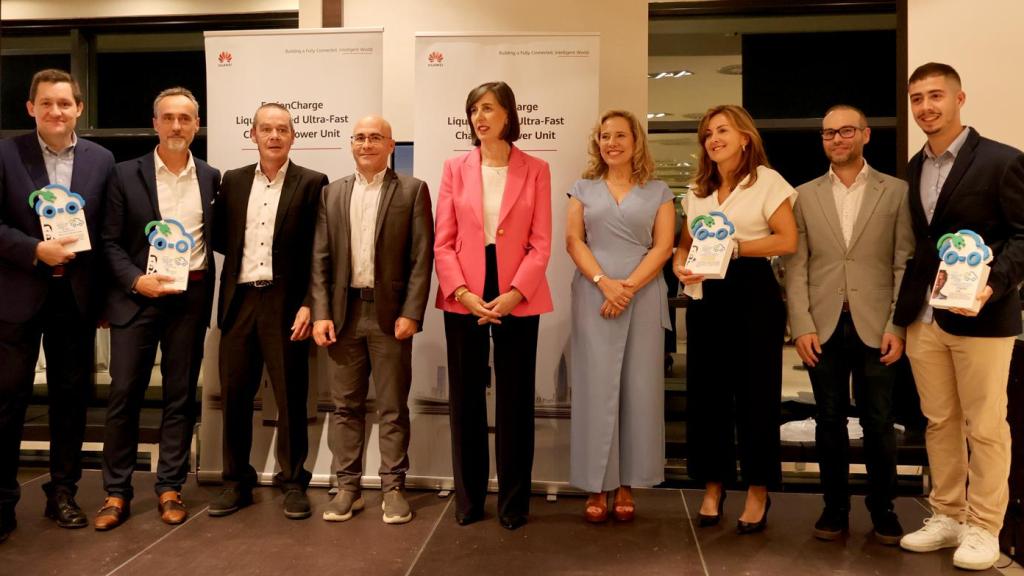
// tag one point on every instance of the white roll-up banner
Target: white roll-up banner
(328, 79)
(555, 81)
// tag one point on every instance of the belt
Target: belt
(57, 271)
(364, 294)
(196, 275)
(258, 284)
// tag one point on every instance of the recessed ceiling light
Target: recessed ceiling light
(651, 115)
(670, 74)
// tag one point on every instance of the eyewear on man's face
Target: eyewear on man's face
(845, 132)
(362, 139)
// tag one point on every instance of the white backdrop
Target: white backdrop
(328, 79)
(555, 80)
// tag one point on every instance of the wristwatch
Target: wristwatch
(597, 278)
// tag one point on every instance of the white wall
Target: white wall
(983, 41)
(66, 9)
(622, 25)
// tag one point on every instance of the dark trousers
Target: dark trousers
(843, 355)
(176, 323)
(363, 348)
(734, 339)
(260, 335)
(515, 372)
(69, 340)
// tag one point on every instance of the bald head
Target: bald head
(371, 145)
(373, 122)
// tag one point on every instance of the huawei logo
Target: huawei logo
(224, 57)
(435, 58)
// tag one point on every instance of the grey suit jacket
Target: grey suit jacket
(823, 272)
(403, 253)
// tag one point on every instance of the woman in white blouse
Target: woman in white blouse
(735, 326)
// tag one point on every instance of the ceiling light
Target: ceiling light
(652, 115)
(669, 74)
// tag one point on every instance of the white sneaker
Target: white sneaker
(979, 550)
(939, 531)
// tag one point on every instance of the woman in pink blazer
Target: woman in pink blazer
(491, 249)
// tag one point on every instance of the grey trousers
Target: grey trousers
(363, 349)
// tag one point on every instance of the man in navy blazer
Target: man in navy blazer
(48, 292)
(166, 184)
(960, 358)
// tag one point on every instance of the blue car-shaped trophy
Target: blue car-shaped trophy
(963, 271)
(61, 215)
(170, 249)
(712, 245)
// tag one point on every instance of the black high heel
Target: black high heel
(707, 520)
(754, 527)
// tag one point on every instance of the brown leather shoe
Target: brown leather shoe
(113, 513)
(172, 509)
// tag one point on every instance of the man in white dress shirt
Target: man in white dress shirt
(372, 259)
(854, 240)
(263, 225)
(144, 312)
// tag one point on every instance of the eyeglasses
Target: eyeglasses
(845, 132)
(375, 139)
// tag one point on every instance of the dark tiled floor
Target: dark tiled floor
(787, 546)
(260, 540)
(557, 541)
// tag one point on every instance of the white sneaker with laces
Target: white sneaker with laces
(939, 531)
(978, 551)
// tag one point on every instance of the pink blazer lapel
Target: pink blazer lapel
(517, 170)
(473, 185)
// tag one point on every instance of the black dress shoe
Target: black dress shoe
(706, 520)
(753, 527)
(512, 522)
(467, 519)
(832, 524)
(8, 522)
(230, 501)
(888, 530)
(296, 505)
(62, 508)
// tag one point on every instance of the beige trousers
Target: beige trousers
(962, 384)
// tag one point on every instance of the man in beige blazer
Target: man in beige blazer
(370, 278)
(854, 240)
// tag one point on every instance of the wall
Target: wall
(67, 9)
(622, 25)
(983, 42)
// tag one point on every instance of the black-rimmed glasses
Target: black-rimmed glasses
(845, 132)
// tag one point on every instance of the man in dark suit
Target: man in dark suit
(49, 292)
(166, 184)
(372, 257)
(961, 358)
(264, 222)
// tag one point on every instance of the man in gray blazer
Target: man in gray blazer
(841, 284)
(370, 279)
